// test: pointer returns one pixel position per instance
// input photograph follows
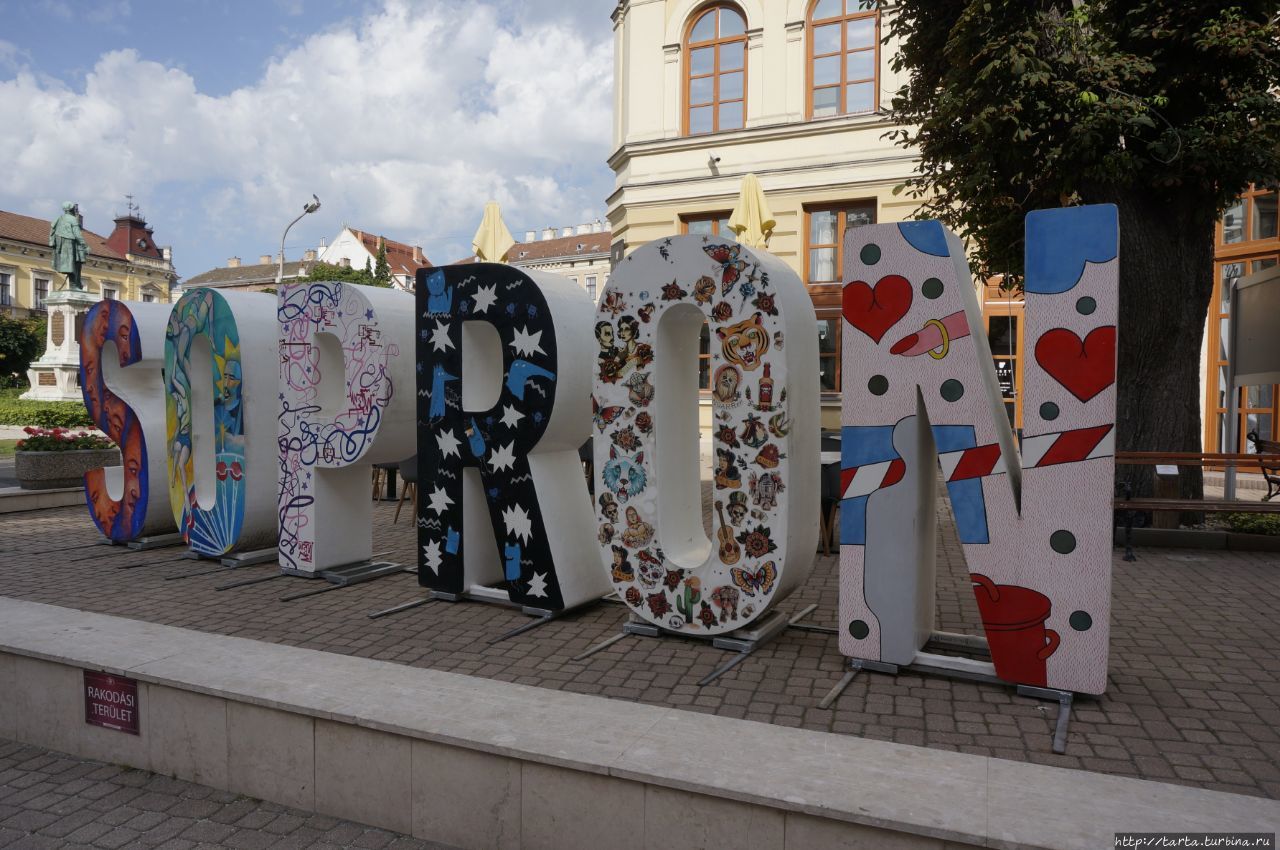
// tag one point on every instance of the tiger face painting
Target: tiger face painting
(744, 343)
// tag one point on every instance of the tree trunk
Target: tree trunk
(1166, 281)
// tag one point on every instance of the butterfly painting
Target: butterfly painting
(761, 580)
(731, 268)
(605, 415)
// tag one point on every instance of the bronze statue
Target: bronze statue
(69, 248)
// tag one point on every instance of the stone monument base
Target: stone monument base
(56, 375)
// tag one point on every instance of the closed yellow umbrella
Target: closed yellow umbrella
(751, 219)
(492, 241)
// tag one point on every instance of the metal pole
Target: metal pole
(306, 210)
(1233, 395)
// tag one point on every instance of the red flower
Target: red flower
(644, 422)
(29, 430)
(722, 311)
(633, 597)
(672, 579)
(658, 603)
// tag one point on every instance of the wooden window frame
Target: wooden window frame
(834, 315)
(715, 217)
(1215, 363)
(998, 303)
(715, 43)
(38, 303)
(843, 85)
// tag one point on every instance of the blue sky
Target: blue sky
(221, 118)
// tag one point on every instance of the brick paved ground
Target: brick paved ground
(50, 800)
(1194, 696)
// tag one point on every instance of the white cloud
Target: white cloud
(405, 121)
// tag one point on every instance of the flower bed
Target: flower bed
(48, 459)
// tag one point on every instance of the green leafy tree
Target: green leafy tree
(21, 341)
(382, 269)
(1165, 108)
(328, 271)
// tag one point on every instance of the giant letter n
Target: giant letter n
(919, 379)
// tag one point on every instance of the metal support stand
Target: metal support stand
(249, 581)
(345, 576)
(396, 609)
(248, 559)
(542, 617)
(742, 641)
(970, 669)
(159, 541)
(1064, 700)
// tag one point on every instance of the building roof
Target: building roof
(403, 259)
(247, 275)
(564, 246)
(551, 250)
(24, 228)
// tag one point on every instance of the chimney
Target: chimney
(417, 255)
(548, 233)
(530, 235)
(584, 228)
(233, 263)
(264, 260)
(309, 255)
(167, 253)
(598, 227)
(568, 231)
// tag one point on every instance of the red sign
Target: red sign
(111, 702)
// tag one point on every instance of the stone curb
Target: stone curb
(913, 791)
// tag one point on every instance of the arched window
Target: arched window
(716, 75)
(844, 55)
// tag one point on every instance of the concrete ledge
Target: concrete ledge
(479, 763)
(1196, 538)
(14, 499)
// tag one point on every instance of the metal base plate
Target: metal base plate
(357, 573)
(157, 541)
(257, 556)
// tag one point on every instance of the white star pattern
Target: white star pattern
(440, 340)
(510, 416)
(503, 458)
(439, 500)
(448, 444)
(485, 298)
(431, 552)
(526, 343)
(517, 522)
(538, 585)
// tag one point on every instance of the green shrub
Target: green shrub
(45, 414)
(1254, 523)
(21, 341)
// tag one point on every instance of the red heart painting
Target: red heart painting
(874, 310)
(1084, 368)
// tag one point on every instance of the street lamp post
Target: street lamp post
(306, 210)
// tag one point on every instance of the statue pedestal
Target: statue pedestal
(56, 375)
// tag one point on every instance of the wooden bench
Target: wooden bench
(1270, 471)
(1131, 505)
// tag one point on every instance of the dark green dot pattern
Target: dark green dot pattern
(870, 254)
(1080, 621)
(1049, 411)
(859, 629)
(879, 385)
(1063, 542)
(1086, 305)
(931, 288)
(952, 390)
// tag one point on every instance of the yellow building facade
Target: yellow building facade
(793, 91)
(140, 272)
